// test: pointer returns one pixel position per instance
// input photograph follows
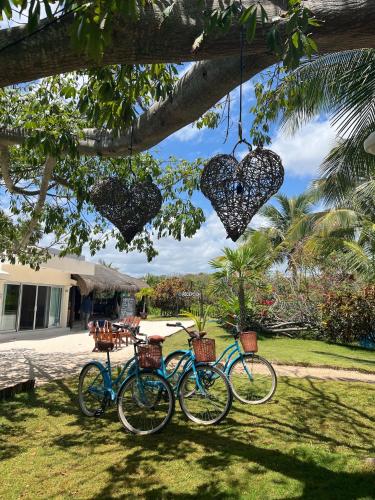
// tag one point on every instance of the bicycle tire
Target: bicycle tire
(100, 390)
(255, 394)
(129, 404)
(186, 395)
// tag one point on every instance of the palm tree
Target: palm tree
(145, 294)
(349, 234)
(241, 265)
(288, 224)
(342, 86)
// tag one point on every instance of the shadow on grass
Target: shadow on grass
(275, 438)
(301, 418)
(317, 481)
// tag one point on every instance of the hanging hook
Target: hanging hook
(242, 141)
(131, 149)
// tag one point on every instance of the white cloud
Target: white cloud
(188, 133)
(175, 257)
(303, 152)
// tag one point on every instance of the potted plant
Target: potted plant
(240, 268)
(199, 319)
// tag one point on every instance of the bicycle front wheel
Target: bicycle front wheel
(145, 403)
(91, 390)
(205, 396)
(253, 379)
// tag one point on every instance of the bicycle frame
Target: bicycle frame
(234, 351)
(188, 359)
(112, 385)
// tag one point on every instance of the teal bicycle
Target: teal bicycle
(252, 378)
(145, 399)
(143, 396)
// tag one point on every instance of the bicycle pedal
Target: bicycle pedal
(99, 413)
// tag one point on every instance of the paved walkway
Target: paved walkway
(46, 358)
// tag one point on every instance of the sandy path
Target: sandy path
(51, 358)
(323, 373)
(46, 359)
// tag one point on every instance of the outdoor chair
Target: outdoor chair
(102, 332)
(133, 322)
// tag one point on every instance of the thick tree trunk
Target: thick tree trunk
(348, 24)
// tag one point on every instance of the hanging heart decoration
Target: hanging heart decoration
(129, 205)
(237, 190)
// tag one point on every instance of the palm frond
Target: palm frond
(341, 84)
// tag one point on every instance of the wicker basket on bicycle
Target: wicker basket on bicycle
(249, 341)
(149, 356)
(204, 350)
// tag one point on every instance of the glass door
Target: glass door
(55, 307)
(41, 317)
(27, 313)
(10, 307)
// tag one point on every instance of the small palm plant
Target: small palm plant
(237, 268)
(145, 294)
(200, 318)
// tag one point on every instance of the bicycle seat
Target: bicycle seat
(103, 346)
(156, 339)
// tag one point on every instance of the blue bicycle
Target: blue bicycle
(252, 378)
(145, 397)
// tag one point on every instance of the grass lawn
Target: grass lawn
(310, 442)
(291, 351)
(157, 317)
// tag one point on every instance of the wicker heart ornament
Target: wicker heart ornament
(129, 205)
(237, 190)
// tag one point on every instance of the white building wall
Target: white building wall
(48, 276)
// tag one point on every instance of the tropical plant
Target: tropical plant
(340, 85)
(348, 317)
(199, 317)
(169, 296)
(287, 223)
(145, 294)
(227, 308)
(242, 267)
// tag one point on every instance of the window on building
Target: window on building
(30, 307)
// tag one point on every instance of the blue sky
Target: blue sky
(301, 155)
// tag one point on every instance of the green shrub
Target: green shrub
(348, 317)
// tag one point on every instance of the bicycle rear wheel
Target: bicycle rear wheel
(91, 390)
(145, 403)
(205, 396)
(253, 379)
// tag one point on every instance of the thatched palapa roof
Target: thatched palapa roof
(107, 279)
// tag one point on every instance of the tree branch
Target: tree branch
(44, 186)
(153, 39)
(9, 184)
(349, 24)
(198, 90)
